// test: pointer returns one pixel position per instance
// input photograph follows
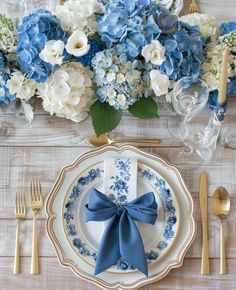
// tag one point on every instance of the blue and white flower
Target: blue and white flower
(121, 85)
(207, 24)
(35, 31)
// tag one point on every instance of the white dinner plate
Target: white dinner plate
(85, 238)
(115, 279)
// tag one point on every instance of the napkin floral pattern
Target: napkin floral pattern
(120, 180)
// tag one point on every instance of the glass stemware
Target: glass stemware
(199, 138)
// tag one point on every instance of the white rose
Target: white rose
(52, 52)
(207, 24)
(154, 52)
(159, 83)
(77, 43)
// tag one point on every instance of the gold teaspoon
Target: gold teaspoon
(104, 139)
(220, 203)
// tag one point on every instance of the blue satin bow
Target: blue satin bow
(121, 237)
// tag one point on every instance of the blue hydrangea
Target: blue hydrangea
(36, 29)
(120, 84)
(227, 27)
(130, 24)
(122, 23)
(158, 20)
(2, 59)
(87, 58)
(184, 52)
(5, 97)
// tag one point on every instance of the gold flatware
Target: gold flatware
(104, 140)
(205, 269)
(220, 203)
(193, 7)
(20, 216)
(36, 204)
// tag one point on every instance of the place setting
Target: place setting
(103, 212)
(121, 215)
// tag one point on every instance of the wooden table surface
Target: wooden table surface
(41, 149)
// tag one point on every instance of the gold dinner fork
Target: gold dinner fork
(20, 215)
(193, 7)
(36, 204)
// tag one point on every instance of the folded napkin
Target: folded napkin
(120, 179)
(121, 237)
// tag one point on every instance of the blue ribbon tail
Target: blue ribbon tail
(109, 250)
(131, 245)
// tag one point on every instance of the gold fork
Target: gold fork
(20, 215)
(36, 204)
(193, 7)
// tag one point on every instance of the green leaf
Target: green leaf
(144, 108)
(105, 118)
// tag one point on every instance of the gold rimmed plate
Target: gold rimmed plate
(113, 280)
(84, 238)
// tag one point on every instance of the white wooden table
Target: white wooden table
(43, 148)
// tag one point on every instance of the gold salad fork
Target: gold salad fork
(36, 204)
(193, 7)
(20, 215)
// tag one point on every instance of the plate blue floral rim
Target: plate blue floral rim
(92, 175)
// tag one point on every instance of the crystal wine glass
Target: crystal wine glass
(189, 98)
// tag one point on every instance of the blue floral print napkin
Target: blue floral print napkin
(120, 179)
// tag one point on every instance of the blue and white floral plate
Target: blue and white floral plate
(84, 237)
(173, 198)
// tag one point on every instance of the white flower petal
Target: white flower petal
(77, 44)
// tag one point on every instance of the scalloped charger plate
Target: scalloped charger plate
(68, 257)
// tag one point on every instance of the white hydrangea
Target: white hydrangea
(20, 85)
(79, 15)
(212, 65)
(207, 24)
(68, 92)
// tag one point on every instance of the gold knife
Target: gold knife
(203, 207)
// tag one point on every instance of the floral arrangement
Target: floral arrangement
(217, 39)
(105, 57)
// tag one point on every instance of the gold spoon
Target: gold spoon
(104, 139)
(220, 203)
